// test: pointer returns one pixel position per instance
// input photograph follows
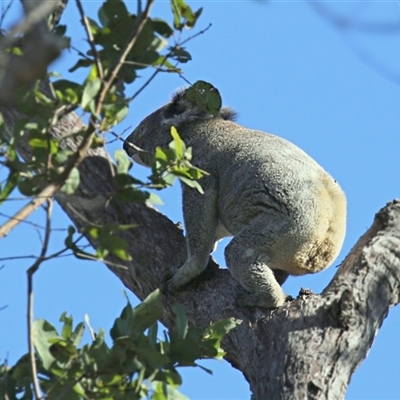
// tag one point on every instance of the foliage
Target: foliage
(119, 44)
(137, 365)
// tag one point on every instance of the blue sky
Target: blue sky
(286, 70)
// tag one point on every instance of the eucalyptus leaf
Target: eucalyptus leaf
(43, 331)
(90, 91)
(72, 182)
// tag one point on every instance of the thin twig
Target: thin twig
(35, 225)
(92, 45)
(4, 11)
(118, 137)
(152, 76)
(185, 79)
(12, 258)
(168, 55)
(145, 65)
(349, 23)
(107, 262)
(30, 273)
(196, 34)
(130, 43)
(49, 190)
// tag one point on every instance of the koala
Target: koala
(286, 214)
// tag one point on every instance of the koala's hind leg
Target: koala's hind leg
(247, 257)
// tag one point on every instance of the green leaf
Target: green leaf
(81, 63)
(191, 183)
(183, 15)
(152, 335)
(186, 351)
(67, 327)
(90, 91)
(177, 143)
(70, 244)
(122, 325)
(114, 113)
(43, 331)
(180, 54)
(67, 91)
(172, 377)
(133, 322)
(181, 323)
(77, 335)
(206, 96)
(131, 193)
(155, 199)
(163, 391)
(62, 156)
(78, 389)
(42, 143)
(152, 357)
(162, 27)
(31, 185)
(161, 61)
(103, 18)
(124, 163)
(115, 9)
(220, 328)
(11, 184)
(115, 245)
(72, 182)
(148, 312)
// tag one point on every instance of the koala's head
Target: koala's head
(155, 130)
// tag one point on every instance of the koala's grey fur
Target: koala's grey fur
(285, 213)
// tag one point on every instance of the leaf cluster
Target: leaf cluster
(117, 49)
(137, 365)
(174, 162)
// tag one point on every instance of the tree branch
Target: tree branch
(40, 47)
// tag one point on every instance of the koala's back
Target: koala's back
(262, 174)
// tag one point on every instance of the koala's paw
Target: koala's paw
(171, 284)
(254, 300)
(164, 283)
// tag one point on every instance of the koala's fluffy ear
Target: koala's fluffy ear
(180, 109)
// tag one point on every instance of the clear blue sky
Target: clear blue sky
(286, 70)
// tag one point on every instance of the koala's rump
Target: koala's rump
(299, 200)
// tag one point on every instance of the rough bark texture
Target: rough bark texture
(307, 349)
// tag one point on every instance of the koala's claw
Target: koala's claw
(171, 284)
(167, 287)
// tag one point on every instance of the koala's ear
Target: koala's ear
(228, 114)
(180, 109)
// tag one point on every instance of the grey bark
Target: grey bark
(307, 349)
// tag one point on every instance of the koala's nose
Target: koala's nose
(128, 148)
